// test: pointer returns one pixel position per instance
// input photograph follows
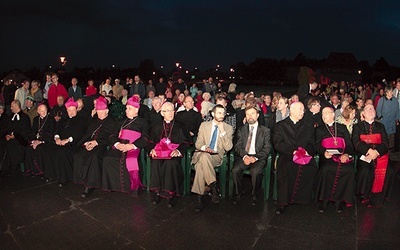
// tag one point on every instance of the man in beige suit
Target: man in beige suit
(213, 140)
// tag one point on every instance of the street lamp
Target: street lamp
(177, 64)
(63, 61)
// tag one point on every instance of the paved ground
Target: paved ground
(36, 215)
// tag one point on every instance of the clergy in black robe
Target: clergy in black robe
(16, 138)
(335, 180)
(155, 116)
(88, 158)
(168, 142)
(188, 116)
(294, 137)
(59, 112)
(121, 165)
(4, 121)
(59, 160)
(374, 174)
(312, 115)
(42, 133)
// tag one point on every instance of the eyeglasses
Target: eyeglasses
(167, 111)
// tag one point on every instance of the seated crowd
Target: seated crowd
(331, 143)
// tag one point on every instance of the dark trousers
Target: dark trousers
(256, 172)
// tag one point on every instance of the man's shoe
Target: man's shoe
(156, 199)
(171, 203)
(62, 184)
(254, 200)
(215, 194)
(322, 207)
(238, 198)
(199, 204)
(87, 192)
(339, 207)
(280, 210)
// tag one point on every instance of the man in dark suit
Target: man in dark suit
(253, 146)
(304, 91)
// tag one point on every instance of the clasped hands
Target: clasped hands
(174, 153)
(125, 147)
(60, 142)
(90, 145)
(249, 160)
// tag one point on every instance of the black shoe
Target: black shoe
(322, 207)
(215, 194)
(171, 203)
(49, 180)
(156, 199)
(280, 210)
(199, 204)
(87, 192)
(62, 184)
(238, 198)
(135, 193)
(254, 200)
(339, 207)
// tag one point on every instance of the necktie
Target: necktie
(214, 137)
(249, 139)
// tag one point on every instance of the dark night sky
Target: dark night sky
(195, 33)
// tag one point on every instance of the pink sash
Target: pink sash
(132, 155)
(335, 143)
(381, 162)
(164, 148)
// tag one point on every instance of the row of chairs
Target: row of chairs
(224, 173)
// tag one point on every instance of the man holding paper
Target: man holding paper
(213, 141)
(374, 176)
(335, 179)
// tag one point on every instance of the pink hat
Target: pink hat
(133, 101)
(71, 103)
(101, 103)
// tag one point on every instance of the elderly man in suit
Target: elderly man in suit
(253, 146)
(213, 141)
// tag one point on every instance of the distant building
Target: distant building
(341, 67)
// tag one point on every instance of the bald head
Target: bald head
(296, 111)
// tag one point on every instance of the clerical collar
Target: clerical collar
(293, 120)
(167, 121)
(369, 122)
(331, 124)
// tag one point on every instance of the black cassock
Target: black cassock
(43, 130)
(295, 182)
(116, 176)
(59, 161)
(88, 165)
(192, 119)
(167, 174)
(15, 148)
(334, 181)
(366, 171)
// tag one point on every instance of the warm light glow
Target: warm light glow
(177, 64)
(359, 72)
(154, 73)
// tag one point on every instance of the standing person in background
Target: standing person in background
(161, 87)
(36, 92)
(117, 89)
(138, 88)
(388, 110)
(75, 91)
(90, 89)
(46, 88)
(150, 87)
(55, 90)
(22, 93)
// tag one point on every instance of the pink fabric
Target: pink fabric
(71, 103)
(101, 103)
(164, 149)
(132, 155)
(300, 157)
(133, 101)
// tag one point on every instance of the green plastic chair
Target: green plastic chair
(221, 170)
(266, 183)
